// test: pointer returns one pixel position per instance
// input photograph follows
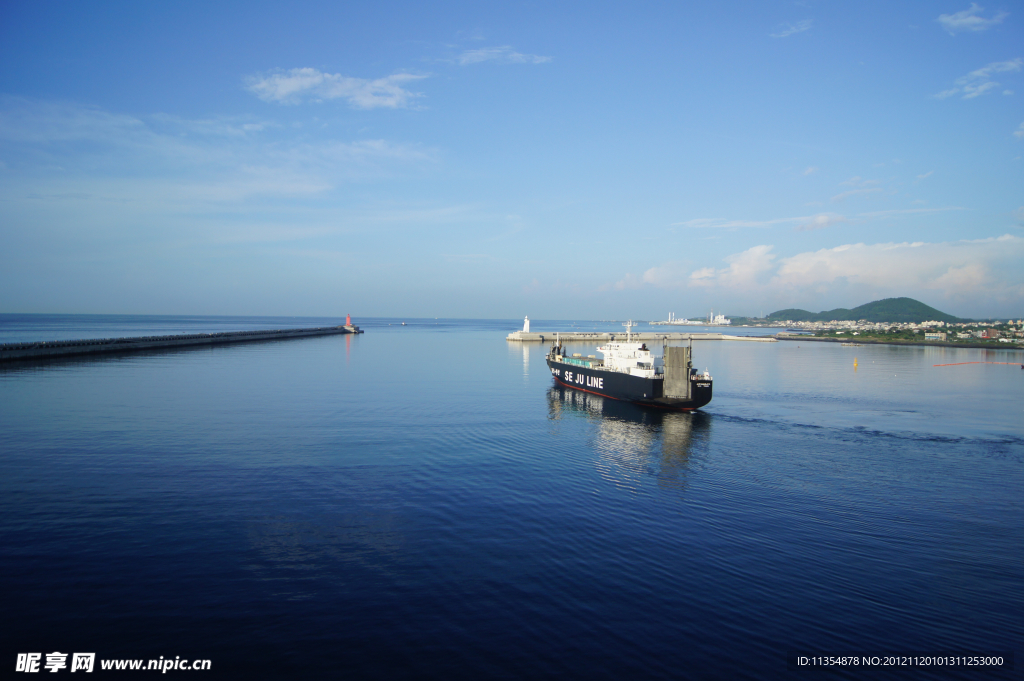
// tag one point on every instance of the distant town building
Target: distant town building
(935, 335)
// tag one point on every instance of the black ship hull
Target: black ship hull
(628, 388)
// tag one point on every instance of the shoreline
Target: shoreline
(867, 341)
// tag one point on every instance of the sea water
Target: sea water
(421, 501)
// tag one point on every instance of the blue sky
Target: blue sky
(481, 160)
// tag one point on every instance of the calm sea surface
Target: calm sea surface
(420, 502)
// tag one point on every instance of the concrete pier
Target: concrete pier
(54, 349)
(585, 336)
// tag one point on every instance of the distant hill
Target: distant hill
(905, 310)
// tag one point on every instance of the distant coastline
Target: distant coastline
(869, 341)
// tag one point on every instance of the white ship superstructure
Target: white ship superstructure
(629, 357)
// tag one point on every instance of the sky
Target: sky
(495, 160)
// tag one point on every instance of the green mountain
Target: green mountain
(905, 310)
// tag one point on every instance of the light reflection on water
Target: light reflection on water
(634, 443)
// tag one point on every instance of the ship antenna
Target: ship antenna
(629, 326)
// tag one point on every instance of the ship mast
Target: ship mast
(629, 327)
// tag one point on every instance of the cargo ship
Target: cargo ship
(627, 372)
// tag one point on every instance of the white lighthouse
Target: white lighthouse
(526, 325)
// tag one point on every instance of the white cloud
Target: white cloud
(981, 269)
(27, 121)
(811, 170)
(808, 222)
(969, 20)
(801, 222)
(669, 275)
(744, 270)
(859, 185)
(928, 174)
(166, 164)
(952, 267)
(790, 29)
(856, 181)
(854, 192)
(628, 282)
(821, 221)
(220, 126)
(307, 84)
(502, 55)
(976, 90)
(881, 214)
(156, 140)
(720, 223)
(707, 273)
(978, 82)
(1019, 132)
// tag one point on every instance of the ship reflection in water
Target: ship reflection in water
(636, 443)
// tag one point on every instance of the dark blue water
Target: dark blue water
(420, 502)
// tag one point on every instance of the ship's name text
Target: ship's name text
(581, 379)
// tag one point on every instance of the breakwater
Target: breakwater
(55, 349)
(586, 336)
